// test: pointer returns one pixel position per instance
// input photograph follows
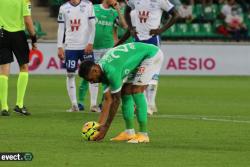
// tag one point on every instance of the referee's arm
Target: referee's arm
(29, 25)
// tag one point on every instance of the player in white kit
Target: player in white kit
(76, 33)
(147, 20)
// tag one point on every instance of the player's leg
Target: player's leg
(71, 59)
(141, 113)
(127, 113)
(153, 84)
(6, 58)
(143, 76)
(20, 48)
(152, 88)
(4, 73)
(98, 54)
(151, 96)
(83, 89)
(93, 88)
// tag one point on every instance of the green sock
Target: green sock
(83, 89)
(4, 92)
(128, 111)
(141, 111)
(22, 83)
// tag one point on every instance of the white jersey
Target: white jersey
(148, 15)
(76, 21)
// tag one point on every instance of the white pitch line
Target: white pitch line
(191, 117)
(202, 118)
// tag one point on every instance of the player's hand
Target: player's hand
(113, 3)
(133, 32)
(60, 53)
(88, 49)
(102, 132)
(155, 31)
(34, 46)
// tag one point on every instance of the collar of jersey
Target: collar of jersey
(104, 8)
(74, 4)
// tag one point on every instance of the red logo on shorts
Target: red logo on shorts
(36, 59)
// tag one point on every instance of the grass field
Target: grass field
(202, 122)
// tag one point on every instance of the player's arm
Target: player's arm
(91, 23)
(115, 102)
(122, 21)
(29, 23)
(128, 19)
(167, 6)
(107, 101)
(115, 34)
(60, 34)
(123, 38)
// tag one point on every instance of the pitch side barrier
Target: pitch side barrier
(201, 59)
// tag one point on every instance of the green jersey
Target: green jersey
(12, 13)
(105, 22)
(120, 61)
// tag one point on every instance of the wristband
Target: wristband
(33, 38)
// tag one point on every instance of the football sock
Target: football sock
(130, 131)
(4, 92)
(128, 111)
(93, 90)
(151, 94)
(83, 91)
(71, 88)
(22, 83)
(141, 111)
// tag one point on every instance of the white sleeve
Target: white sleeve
(224, 10)
(166, 5)
(131, 4)
(91, 25)
(61, 28)
(61, 18)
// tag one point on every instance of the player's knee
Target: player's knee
(138, 88)
(24, 68)
(127, 89)
(70, 74)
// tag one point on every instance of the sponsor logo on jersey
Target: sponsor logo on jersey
(60, 17)
(143, 16)
(75, 24)
(104, 23)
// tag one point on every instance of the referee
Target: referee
(14, 16)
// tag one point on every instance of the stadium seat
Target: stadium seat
(195, 30)
(171, 32)
(182, 30)
(197, 11)
(54, 7)
(206, 30)
(38, 29)
(210, 12)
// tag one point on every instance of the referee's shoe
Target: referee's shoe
(5, 113)
(22, 111)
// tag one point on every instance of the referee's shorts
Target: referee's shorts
(13, 43)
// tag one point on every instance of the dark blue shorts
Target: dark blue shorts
(155, 40)
(72, 58)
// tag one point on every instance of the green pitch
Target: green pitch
(202, 122)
